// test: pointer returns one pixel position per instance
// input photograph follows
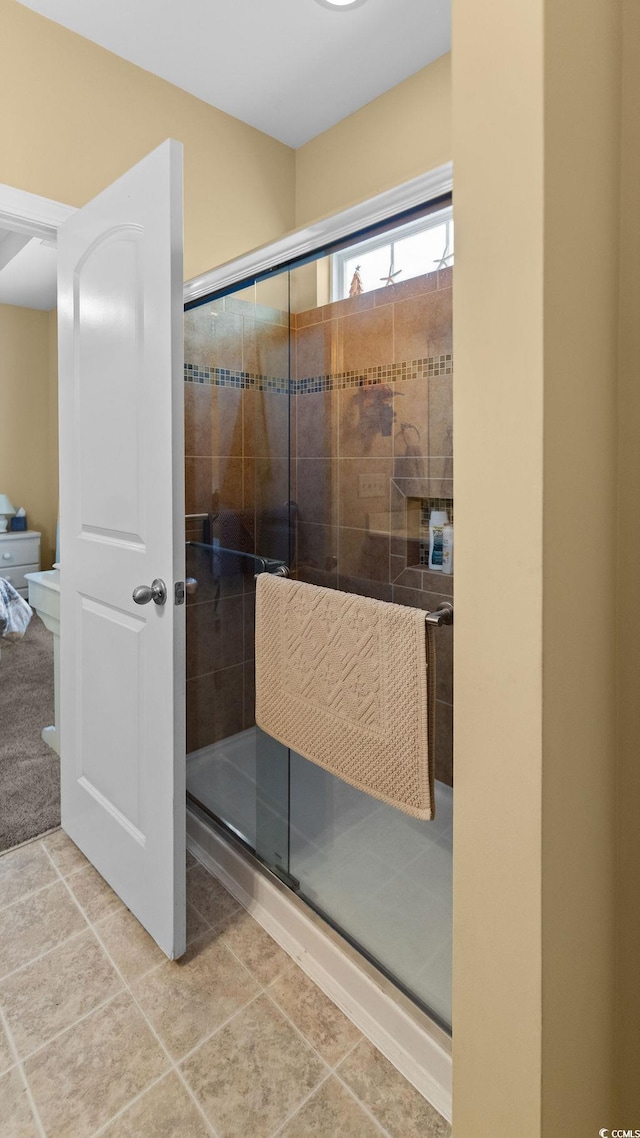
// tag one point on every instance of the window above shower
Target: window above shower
(423, 245)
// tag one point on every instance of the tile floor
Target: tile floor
(101, 1035)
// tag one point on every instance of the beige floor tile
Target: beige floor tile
(196, 924)
(52, 993)
(23, 871)
(330, 1112)
(6, 1054)
(253, 1072)
(255, 948)
(93, 894)
(317, 1017)
(395, 1103)
(65, 853)
(35, 924)
(132, 950)
(165, 1111)
(87, 1075)
(16, 1117)
(208, 896)
(187, 999)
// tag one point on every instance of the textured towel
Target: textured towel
(342, 680)
(15, 613)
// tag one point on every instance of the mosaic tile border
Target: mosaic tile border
(337, 381)
(225, 377)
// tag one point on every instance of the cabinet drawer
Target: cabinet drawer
(15, 576)
(19, 551)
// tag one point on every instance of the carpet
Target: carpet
(29, 769)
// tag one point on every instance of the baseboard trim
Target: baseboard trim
(420, 1050)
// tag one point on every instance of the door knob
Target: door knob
(191, 586)
(156, 591)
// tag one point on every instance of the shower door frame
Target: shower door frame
(311, 239)
(291, 251)
(392, 1025)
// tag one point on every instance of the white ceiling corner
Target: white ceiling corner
(291, 68)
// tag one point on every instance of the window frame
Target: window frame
(389, 237)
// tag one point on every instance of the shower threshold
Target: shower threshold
(378, 878)
(394, 1022)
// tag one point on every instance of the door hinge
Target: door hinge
(179, 592)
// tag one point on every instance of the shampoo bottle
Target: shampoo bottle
(437, 521)
(447, 548)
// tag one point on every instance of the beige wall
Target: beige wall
(80, 116)
(628, 868)
(28, 446)
(535, 129)
(401, 134)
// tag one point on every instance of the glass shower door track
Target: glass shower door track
(293, 885)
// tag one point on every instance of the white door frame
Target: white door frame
(30, 214)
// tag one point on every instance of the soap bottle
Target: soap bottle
(437, 521)
(447, 548)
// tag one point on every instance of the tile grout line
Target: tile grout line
(150, 1027)
(363, 1105)
(330, 1073)
(20, 1068)
(293, 1114)
(263, 990)
(64, 1030)
(42, 955)
(123, 1110)
(25, 896)
(332, 1070)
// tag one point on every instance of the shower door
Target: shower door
(239, 522)
(319, 435)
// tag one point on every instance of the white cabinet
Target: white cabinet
(19, 554)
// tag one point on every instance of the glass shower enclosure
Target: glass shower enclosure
(318, 440)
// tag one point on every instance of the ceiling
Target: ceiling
(291, 68)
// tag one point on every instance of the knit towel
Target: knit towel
(342, 680)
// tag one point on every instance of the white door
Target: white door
(122, 668)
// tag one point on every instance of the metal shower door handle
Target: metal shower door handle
(156, 592)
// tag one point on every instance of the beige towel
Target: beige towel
(342, 680)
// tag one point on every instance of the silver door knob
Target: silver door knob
(156, 591)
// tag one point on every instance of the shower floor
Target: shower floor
(382, 877)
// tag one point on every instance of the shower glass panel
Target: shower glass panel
(238, 524)
(319, 435)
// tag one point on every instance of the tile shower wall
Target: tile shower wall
(372, 407)
(363, 442)
(237, 492)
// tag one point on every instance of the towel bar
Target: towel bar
(281, 571)
(442, 615)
